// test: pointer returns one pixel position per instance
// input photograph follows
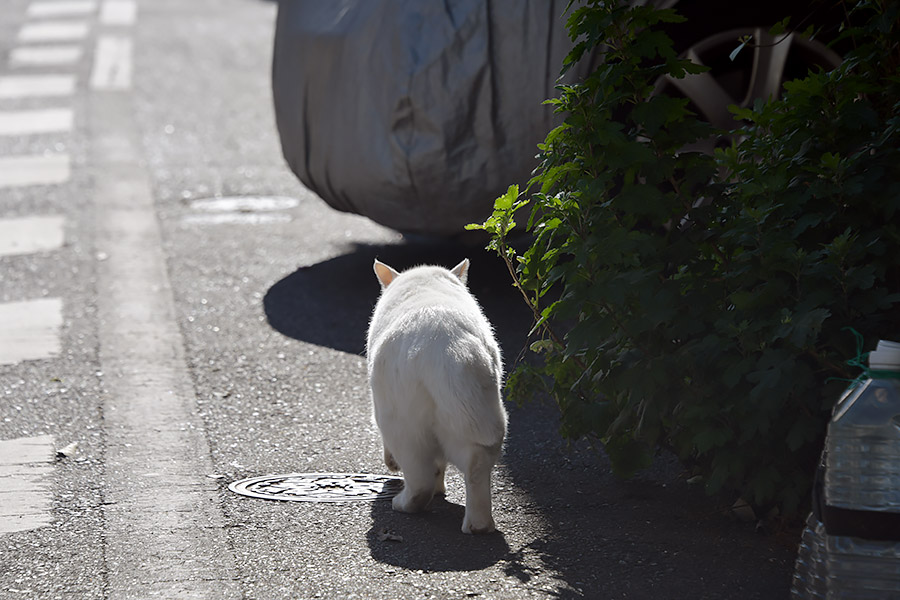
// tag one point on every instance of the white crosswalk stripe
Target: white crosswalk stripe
(112, 63)
(25, 497)
(28, 235)
(118, 12)
(29, 330)
(19, 171)
(53, 31)
(60, 8)
(44, 56)
(33, 122)
(25, 86)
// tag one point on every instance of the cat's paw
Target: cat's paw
(411, 503)
(477, 526)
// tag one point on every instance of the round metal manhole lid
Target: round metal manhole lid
(319, 487)
(240, 210)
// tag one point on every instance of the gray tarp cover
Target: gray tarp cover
(416, 113)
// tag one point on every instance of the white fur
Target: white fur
(435, 372)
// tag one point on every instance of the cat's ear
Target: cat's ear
(384, 273)
(462, 270)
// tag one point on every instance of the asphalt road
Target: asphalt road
(250, 320)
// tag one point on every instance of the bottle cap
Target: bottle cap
(885, 357)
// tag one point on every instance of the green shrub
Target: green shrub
(699, 303)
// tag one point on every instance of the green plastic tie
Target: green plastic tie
(861, 361)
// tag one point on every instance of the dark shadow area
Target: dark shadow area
(432, 540)
(653, 536)
(329, 304)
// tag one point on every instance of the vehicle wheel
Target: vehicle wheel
(757, 72)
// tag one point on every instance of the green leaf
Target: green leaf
(505, 202)
(831, 161)
(715, 437)
(806, 429)
(542, 346)
(780, 28)
(744, 114)
(660, 111)
(627, 456)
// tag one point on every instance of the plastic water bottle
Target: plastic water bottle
(850, 547)
(810, 568)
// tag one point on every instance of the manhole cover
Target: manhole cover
(245, 203)
(240, 210)
(319, 487)
(236, 218)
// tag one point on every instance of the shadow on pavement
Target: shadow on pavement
(329, 304)
(432, 541)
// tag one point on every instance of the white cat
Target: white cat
(435, 372)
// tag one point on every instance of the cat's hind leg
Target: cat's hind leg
(477, 471)
(418, 486)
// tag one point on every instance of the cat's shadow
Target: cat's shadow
(432, 541)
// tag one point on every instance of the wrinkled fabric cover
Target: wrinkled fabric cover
(416, 113)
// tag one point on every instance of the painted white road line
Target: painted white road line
(18, 171)
(33, 122)
(53, 31)
(25, 497)
(44, 56)
(41, 9)
(25, 86)
(112, 63)
(118, 12)
(28, 235)
(29, 330)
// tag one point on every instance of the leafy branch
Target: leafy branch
(711, 328)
